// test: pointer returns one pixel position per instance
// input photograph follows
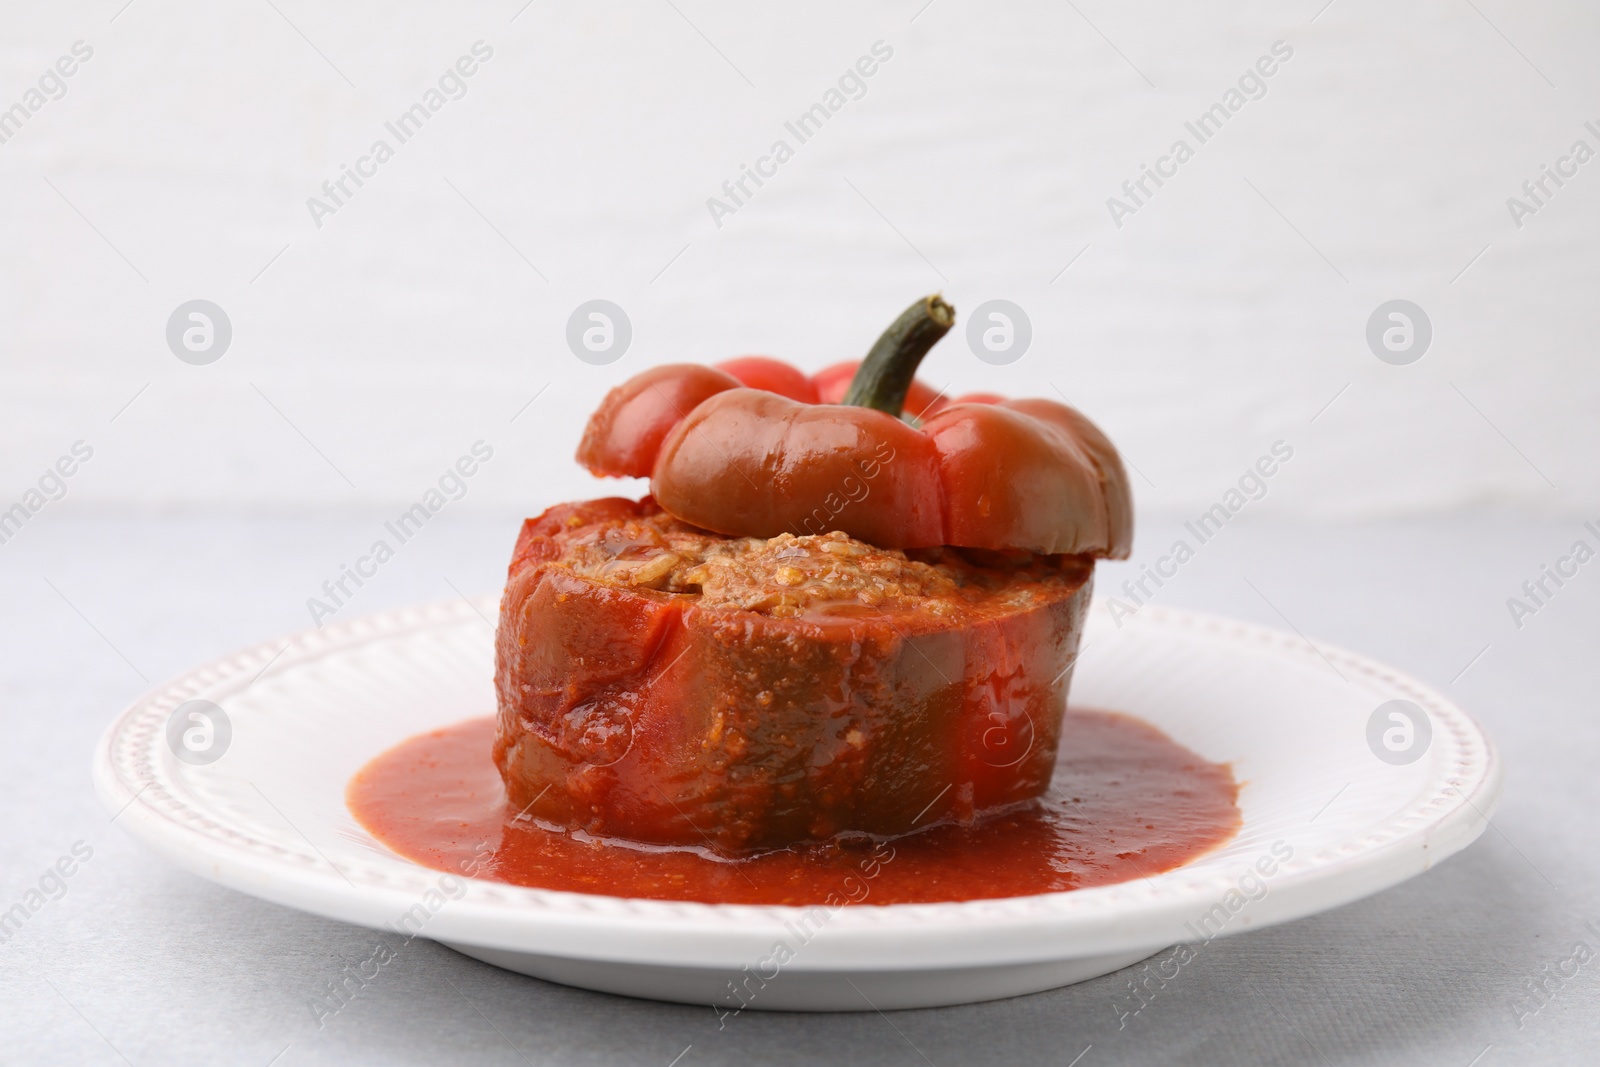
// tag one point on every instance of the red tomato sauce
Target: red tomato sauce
(1126, 802)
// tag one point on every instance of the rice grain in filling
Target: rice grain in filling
(789, 575)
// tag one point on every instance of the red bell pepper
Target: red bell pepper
(634, 713)
(754, 448)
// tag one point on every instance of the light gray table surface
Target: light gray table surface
(142, 963)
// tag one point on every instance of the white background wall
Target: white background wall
(1223, 316)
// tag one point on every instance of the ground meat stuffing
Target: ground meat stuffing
(790, 575)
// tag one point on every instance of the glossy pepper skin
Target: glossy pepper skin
(631, 713)
(743, 450)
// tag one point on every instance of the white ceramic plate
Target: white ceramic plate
(268, 817)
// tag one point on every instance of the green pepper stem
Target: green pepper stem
(885, 376)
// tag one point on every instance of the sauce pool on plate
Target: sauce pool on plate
(1126, 802)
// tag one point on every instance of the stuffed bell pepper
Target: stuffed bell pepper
(848, 605)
